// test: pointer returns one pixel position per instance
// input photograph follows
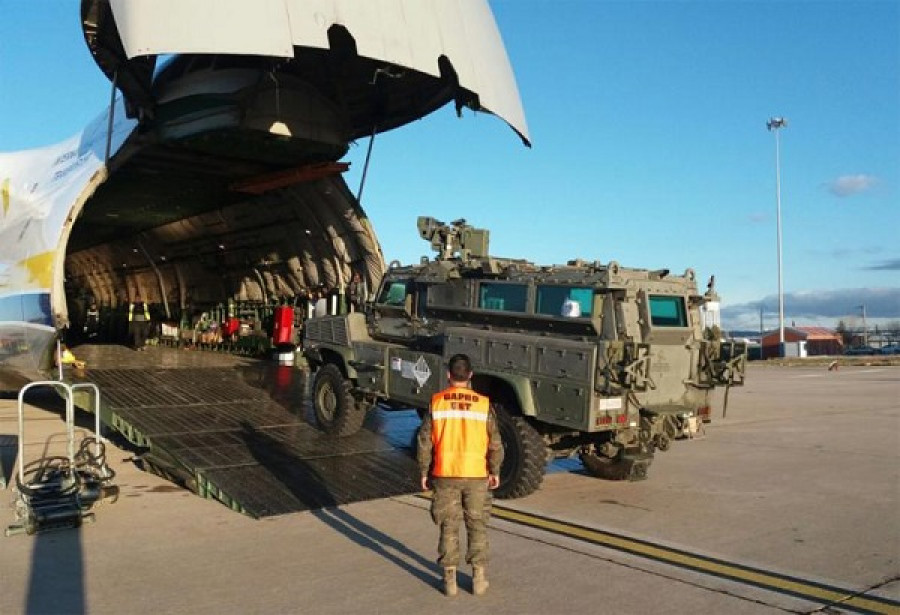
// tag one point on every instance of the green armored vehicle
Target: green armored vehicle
(602, 361)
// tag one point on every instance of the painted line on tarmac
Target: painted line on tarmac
(814, 591)
(786, 584)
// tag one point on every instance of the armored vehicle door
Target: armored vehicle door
(394, 308)
(414, 376)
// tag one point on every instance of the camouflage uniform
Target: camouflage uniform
(461, 499)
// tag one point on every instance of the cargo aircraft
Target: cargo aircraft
(214, 174)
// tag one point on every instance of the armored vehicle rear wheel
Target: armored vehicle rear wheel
(337, 411)
(525, 456)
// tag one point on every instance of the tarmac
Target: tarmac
(800, 482)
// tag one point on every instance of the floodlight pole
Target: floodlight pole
(775, 124)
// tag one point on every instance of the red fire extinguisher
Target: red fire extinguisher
(283, 331)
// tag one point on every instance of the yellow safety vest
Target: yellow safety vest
(131, 311)
(459, 433)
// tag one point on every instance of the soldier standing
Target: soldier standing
(138, 322)
(356, 293)
(92, 322)
(459, 443)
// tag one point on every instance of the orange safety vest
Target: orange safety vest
(459, 433)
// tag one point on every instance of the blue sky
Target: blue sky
(650, 145)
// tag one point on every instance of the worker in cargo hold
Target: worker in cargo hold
(92, 322)
(138, 322)
(356, 293)
(460, 454)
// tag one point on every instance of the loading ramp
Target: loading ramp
(240, 430)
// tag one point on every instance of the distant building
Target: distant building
(818, 341)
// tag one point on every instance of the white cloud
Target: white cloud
(888, 265)
(848, 185)
(816, 307)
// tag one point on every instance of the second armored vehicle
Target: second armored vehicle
(598, 360)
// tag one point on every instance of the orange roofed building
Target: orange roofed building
(819, 341)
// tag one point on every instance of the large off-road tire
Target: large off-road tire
(525, 456)
(336, 409)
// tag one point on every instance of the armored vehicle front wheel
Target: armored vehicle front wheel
(337, 411)
(524, 459)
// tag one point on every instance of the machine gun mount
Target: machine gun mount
(454, 240)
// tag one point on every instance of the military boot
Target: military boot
(479, 580)
(450, 588)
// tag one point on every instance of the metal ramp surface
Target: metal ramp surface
(240, 430)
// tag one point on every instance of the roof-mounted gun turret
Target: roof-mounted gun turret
(454, 239)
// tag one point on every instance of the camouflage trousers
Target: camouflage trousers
(456, 500)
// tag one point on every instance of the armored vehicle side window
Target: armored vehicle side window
(393, 293)
(574, 301)
(667, 311)
(450, 294)
(505, 297)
